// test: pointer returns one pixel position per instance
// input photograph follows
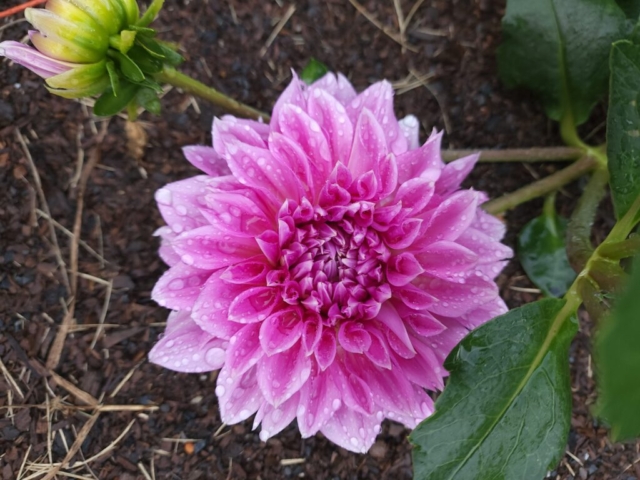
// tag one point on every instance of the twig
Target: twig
(530, 155)
(45, 207)
(541, 187)
(283, 21)
(75, 391)
(82, 434)
(10, 379)
(69, 234)
(392, 35)
(58, 342)
(20, 8)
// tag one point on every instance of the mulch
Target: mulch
(173, 429)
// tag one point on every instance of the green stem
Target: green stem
(529, 155)
(624, 249)
(151, 13)
(542, 187)
(578, 237)
(173, 77)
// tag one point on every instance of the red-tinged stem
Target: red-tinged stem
(20, 8)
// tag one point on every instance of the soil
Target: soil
(175, 431)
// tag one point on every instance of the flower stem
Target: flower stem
(624, 249)
(541, 187)
(173, 77)
(542, 154)
(579, 247)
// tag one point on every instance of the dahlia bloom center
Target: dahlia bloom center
(332, 261)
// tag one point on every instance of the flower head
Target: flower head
(81, 46)
(326, 263)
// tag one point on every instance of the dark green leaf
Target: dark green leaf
(506, 410)
(171, 57)
(148, 99)
(630, 7)
(623, 126)
(559, 49)
(127, 66)
(108, 104)
(113, 77)
(618, 363)
(151, 46)
(314, 70)
(542, 252)
(146, 62)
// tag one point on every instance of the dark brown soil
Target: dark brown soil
(455, 42)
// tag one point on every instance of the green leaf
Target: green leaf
(151, 46)
(542, 252)
(313, 71)
(506, 410)
(113, 77)
(147, 32)
(128, 67)
(630, 7)
(148, 99)
(171, 57)
(146, 62)
(618, 362)
(623, 126)
(108, 104)
(558, 49)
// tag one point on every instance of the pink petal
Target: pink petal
(292, 95)
(390, 318)
(454, 173)
(489, 225)
(334, 121)
(403, 235)
(486, 248)
(378, 352)
(238, 395)
(180, 203)
(369, 145)
(209, 248)
(211, 310)
(446, 258)
(180, 286)
(337, 86)
(37, 62)
(253, 305)
(442, 344)
(235, 213)
(414, 297)
(249, 132)
(423, 323)
(424, 369)
(299, 127)
(424, 162)
(283, 374)
(483, 314)
(402, 269)
(276, 419)
(378, 99)
(455, 298)
(187, 348)
(291, 154)
(353, 337)
(415, 194)
(319, 399)
(251, 272)
(269, 243)
(260, 128)
(452, 217)
(352, 430)
(326, 349)
(207, 160)
(311, 332)
(388, 176)
(356, 394)
(281, 331)
(244, 350)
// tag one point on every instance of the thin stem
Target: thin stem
(541, 187)
(578, 237)
(173, 77)
(548, 154)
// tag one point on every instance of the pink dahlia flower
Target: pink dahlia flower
(326, 263)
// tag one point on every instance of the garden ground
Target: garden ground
(155, 423)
